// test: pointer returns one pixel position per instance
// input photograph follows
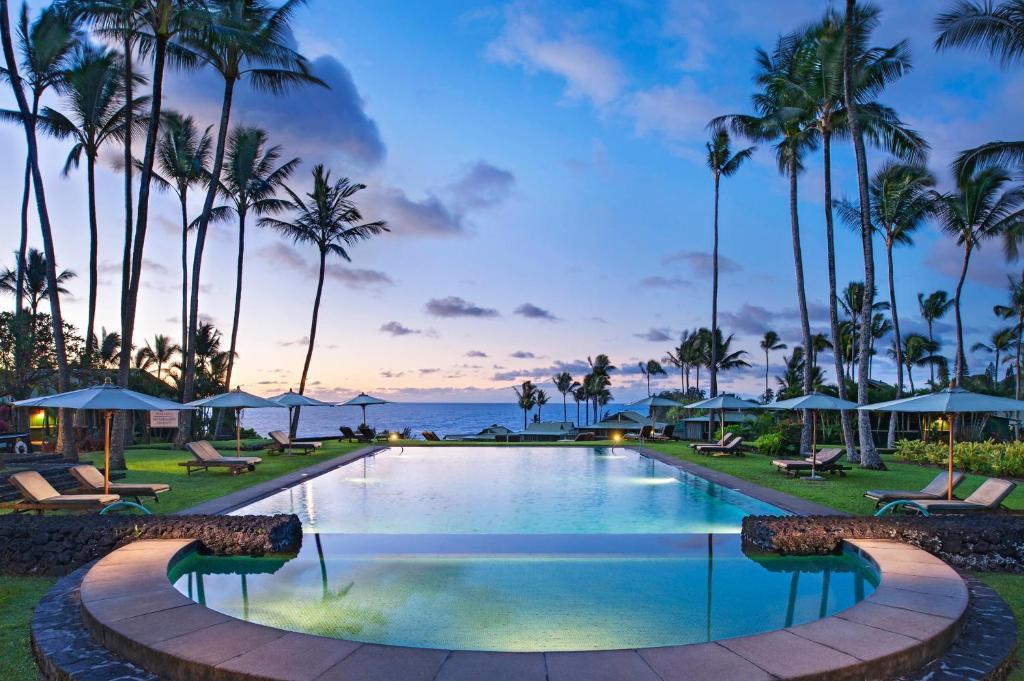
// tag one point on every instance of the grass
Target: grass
(18, 595)
(1011, 588)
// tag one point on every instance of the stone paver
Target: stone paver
(602, 665)
(387, 663)
(936, 586)
(897, 620)
(477, 666)
(702, 662)
(943, 606)
(859, 640)
(221, 642)
(786, 655)
(293, 657)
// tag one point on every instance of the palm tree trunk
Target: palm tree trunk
(801, 295)
(931, 365)
(90, 326)
(961, 361)
(188, 384)
(897, 339)
(238, 297)
(19, 293)
(565, 409)
(910, 378)
(833, 304)
(766, 365)
(184, 272)
(869, 457)
(129, 161)
(714, 304)
(312, 335)
(60, 348)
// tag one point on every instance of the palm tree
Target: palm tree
(541, 399)
(1000, 342)
(722, 163)
(781, 119)
(999, 29)
(791, 382)
(565, 384)
(819, 343)
(250, 181)
(94, 96)
(852, 302)
(329, 219)
(677, 357)
(770, 343)
(933, 307)
(580, 395)
(918, 350)
(526, 397)
(880, 328)
(978, 211)
(651, 368)
(161, 352)
(183, 159)
(1015, 310)
(600, 368)
(35, 283)
(247, 39)
(108, 346)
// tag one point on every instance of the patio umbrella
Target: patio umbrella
(814, 402)
(721, 403)
(238, 400)
(951, 401)
(107, 398)
(653, 401)
(292, 399)
(363, 400)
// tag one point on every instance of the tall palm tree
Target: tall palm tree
(722, 163)
(770, 343)
(565, 384)
(918, 350)
(240, 39)
(1015, 310)
(95, 105)
(979, 210)
(900, 203)
(46, 46)
(327, 218)
(1000, 342)
(250, 182)
(852, 302)
(580, 395)
(780, 119)
(541, 399)
(999, 29)
(819, 343)
(526, 397)
(600, 368)
(651, 367)
(13, 76)
(933, 307)
(162, 351)
(183, 159)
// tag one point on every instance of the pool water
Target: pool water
(519, 594)
(512, 490)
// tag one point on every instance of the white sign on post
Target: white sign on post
(163, 419)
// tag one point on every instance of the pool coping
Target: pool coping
(130, 606)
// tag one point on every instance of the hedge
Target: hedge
(984, 458)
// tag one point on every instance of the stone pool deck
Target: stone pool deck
(130, 606)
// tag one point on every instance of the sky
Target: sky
(541, 167)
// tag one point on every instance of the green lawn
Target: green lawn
(1011, 588)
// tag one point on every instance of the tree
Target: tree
(600, 378)
(651, 368)
(35, 285)
(819, 343)
(917, 351)
(247, 39)
(565, 384)
(900, 203)
(160, 352)
(852, 303)
(541, 399)
(933, 307)
(250, 182)
(1000, 342)
(978, 211)
(526, 396)
(1015, 310)
(770, 343)
(722, 163)
(791, 382)
(327, 218)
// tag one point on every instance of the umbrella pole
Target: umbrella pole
(949, 484)
(238, 432)
(723, 424)
(106, 452)
(364, 413)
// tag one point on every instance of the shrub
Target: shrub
(985, 458)
(769, 444)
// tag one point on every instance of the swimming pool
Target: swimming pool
(521, 549)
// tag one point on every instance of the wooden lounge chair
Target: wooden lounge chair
(825, 461)
(39, 495)
(697, 446)
(90, 481)
(352, 436)
(430, 436)
(666, 434)
(936, 489)
(731, 448)
(988, 497)
(283, 443)
(579, 437)
(645, 434)
(369, 433)
(206, 457)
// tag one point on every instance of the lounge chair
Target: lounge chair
(283, 443)
(90, 481)
(352, 436)
(645, 434)
(39, 495)
(729, 437)
(825, 461)
(988, 497)
(579, 437)
(731, 448)
(667, 434)
(369, 433)
(936, 489)
(206, 457)
(430, 436)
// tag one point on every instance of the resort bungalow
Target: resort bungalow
(548, 431)
(699, 427)
(621, 423)
(489, 434)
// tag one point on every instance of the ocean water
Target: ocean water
(442, 418)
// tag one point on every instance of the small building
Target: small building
(620, 423)
(698, 427)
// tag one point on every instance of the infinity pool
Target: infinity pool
(512, 490)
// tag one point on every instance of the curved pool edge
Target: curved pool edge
(131, 607)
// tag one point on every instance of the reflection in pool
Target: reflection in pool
(526, 592)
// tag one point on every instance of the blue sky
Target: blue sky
(542, 168)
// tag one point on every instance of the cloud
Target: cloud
(358, 278)
(588, 72)
(755, 319)
(522, 354)
(428, 216)
(476, 353)
(298, 341)
(454, 306)
(428, 371)
(392, 374)
(678, 112)
(484, 185)
(283, 255)
(531, 311)
(398, 329)
(655, 335)
(659, 281)
(576, 368)
(988, 265)
(701, 263)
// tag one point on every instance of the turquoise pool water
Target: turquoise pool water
(521, 549)
(512, 490)
(526, 593)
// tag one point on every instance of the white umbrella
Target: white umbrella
(363, 400)
(814, 402)
(238, 400)
(292, 399)
(721, 403)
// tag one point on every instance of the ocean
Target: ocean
(442, 418)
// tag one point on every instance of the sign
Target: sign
(163, 419)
